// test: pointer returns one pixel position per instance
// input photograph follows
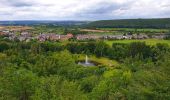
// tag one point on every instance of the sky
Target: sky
(83, 9)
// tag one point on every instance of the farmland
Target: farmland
(16, 28)
(136, 30)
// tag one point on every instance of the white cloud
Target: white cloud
(82, 9)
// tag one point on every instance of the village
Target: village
(25, 35)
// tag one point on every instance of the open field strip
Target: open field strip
(147, 41)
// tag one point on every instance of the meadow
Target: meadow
(147, 41)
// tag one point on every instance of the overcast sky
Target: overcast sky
(83, 9)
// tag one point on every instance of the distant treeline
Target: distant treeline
(131, 23)
(45, 22)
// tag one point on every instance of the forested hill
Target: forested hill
(131, 23)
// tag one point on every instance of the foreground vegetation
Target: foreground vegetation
(48, 71)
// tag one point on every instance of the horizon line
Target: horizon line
(80, 20)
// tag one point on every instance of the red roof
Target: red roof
(69, 34)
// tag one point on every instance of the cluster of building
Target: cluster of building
(126, 36)
(53, 37)
(88, 37)
(120, 37)
(27, 36)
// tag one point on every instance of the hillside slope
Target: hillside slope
(131, 23)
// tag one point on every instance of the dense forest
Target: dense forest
(131, 23)
(48, 71)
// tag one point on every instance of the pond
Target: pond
(86, 63)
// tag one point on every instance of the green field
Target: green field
(144, 30)
(147, 41)
(48, 29)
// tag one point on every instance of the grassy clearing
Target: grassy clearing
(101, 60)
(145, 30)
(147, 41)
